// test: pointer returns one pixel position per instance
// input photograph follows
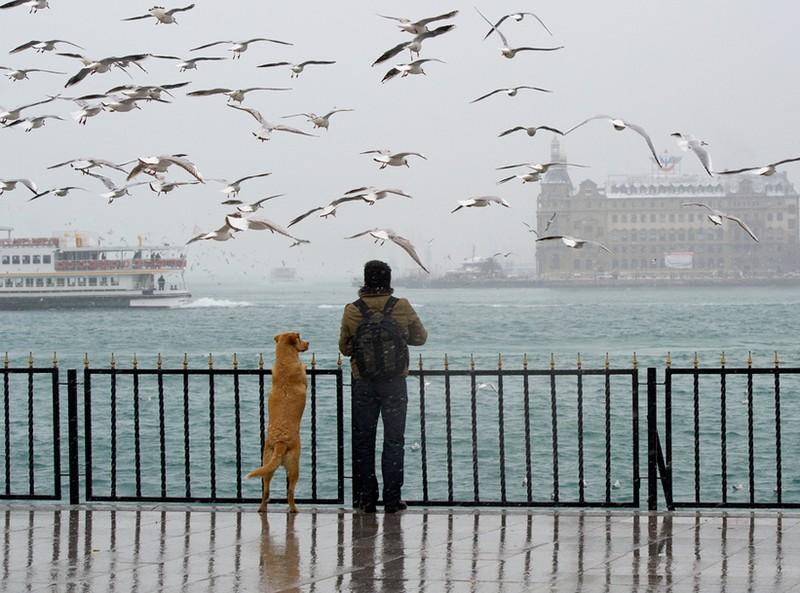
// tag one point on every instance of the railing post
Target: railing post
(72, 423)
(652, 440)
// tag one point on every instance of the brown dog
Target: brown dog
(287, 400)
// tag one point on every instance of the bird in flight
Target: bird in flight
(239, 47)
(383, 235)
(517, 16)
(717, 217)
(298, 68)
(506, 50)
(414, 46)
(697, 146)
(511, 92)
(319, 121)
(264, 133)
(530, 131)
(420, 26)
(480, 202)
(386, 158)
(765, 170)
(161, 15)
(574, 242)
(404, 70)
(619, 125)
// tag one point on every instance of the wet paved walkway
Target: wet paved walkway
(227, 551)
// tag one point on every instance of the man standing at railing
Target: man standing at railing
(376, 331)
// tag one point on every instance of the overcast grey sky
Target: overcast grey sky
(723, 71)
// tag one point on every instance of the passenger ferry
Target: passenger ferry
(75, 270)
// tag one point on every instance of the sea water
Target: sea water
(485, 324)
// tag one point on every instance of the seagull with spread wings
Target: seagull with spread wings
(42, 46)
(387, 159)
(414, 46)
(240, 223)
(103, 65)
(327, 210)
(114, 191)
(33, 123)
(234, 95)
(574, 242)
(537, 171)
(191, 63)
(232, 187)
(383, 235)
(264, 133)
(162, 186)
(619, 125)
(161, 15)
(697, 146)
(518, 17)
(480, 202)
(84, 165)
(511, 92)
(252, 206)
(319, 121)
(16, 112)
(33, 5)
(57, 191)
(509, 52)
(404, 70)
(420, 26)
(15, 74)
(765, 170)
(239, 47)
(152, 165)
(223, 233)
(296, 69)
(530, 131)
(717, 217)
(11, 185)
(148, 92)
(372, 194)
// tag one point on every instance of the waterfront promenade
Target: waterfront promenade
(236, 550)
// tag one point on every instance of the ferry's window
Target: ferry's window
(37, 259)
(6, 260)
(28, 282)
(19, 283)
(103, 281)
(39, 282)
(14, 259)
(60, 281)
(26, 259)
(49, 282)
(114, 282)
(81, 281)
(70, 281)
(45, 259)
(92, 281)
(9, 283)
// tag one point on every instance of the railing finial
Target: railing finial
(113, 361)
(185, 361)
(606, 362)
(525, 361)
(552, 361)
(86, 360)
(499, 362)
(420, 361)
(158, 361)
(749, 360)
(313, 360)
(446, 363)
(260, 360)
(55, 360)
(30, 360)
(210, 361)
(669, 359)
(722, 359)
(775, 362)
(135, 361)
(635, 361)
(471, 361)
(235, 361)
(5, 360)
(578, 361)
(696, 362)
(339, 360)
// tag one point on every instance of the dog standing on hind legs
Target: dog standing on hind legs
(286, 402)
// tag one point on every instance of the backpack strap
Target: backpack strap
(362, 307)
(390, 303)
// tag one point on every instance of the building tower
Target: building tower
(556, 183)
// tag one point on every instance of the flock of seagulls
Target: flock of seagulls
(129, 97)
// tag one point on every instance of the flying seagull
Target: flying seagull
(619, 125)
(296, 69)
(11, 185)
(114, 191)
(58, 191)
(102, 66)
(16, 112)
(530, 131)
(161, 186)
(511, 92)
(717, 217)
(386, 158)
(319, 121)
(415, 45)
(537, 170)
(41, 46)
(510, 52)
(530, 228)
(234, 95)
(383, 235)
(159, 164)
(327, 210)
(161, 14)
(232, 187)
(251, 207)
(480, 202)
(265, 131)
(765, 170)
(372, 194)
(86, 111)
(404, 70)
(85, 164)
(33, 123)
(191, 63)
(239, 47)
(240, 223)
(504, 254)
(420, 26)
(22, 73)
(124, 105)
(574, 242)
(517, 16)
(223, 233)
(689, 142)
(34, 5)
(149, 92)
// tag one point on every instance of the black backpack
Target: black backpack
(379, 347)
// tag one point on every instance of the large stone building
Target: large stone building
(654, 238)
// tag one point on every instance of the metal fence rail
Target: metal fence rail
(31, 422)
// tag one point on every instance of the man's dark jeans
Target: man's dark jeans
(389, 399)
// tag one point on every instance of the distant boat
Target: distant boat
(283, 274)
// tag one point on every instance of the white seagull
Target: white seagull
(383, 235)
(420, 26)
(42, 46)
(517, 16)
(252, 206)
(371, 194)
(480, 202)
(765, 170)
(102, 66)
(232, 187)
(123, 105)
(33, 123)
(149, 92)
(415, 45)
(537, 170)
(152, 165)
(234, 95)
(510, 52)
(511, 92)
(717, 217)
(327, 210)
(697, 146)
(296, 69)
(114, 191)
(16, 112)
(87, 110)
(404, 70)
(387, 159)
(574, 242)
(530, 131)
(240, 223)
(161, 14)
(33, 5)
(223, 233)
(22, 73)
(619, 125)
(11, 185)
(85, 164)
(239, 47)
(319, 121)
(265, 131)
(58, 191)
(191, 63)
(162, 186)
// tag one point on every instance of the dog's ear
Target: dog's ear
(277, 338)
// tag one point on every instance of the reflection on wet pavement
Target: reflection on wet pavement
(227, 551)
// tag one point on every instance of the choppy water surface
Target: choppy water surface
(460, 322)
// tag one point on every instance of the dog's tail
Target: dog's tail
(278, 451)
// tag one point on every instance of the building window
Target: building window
(115, 281)
(92, 281)
(49, 282)
(70, 281)
(46, 259)
(60, 282)
(40, 283)
(81, 281)
(14, 259)
(26, 259)
(9, 283)
(103, 281)
(19, 283)
(6, 260)
(28, 282)
(36, 259)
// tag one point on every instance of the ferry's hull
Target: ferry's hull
(122, 300)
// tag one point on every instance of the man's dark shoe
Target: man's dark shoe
(394, 507)
(366, 507)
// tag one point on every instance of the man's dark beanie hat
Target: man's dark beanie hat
(377, 274)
